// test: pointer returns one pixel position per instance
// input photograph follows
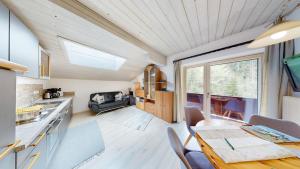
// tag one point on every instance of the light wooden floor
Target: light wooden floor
(128, 148)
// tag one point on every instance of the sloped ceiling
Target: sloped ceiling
(48, 21)
(173, 26)
(168, 26)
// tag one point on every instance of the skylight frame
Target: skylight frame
(86, 56)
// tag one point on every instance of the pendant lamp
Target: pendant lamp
(281, 31)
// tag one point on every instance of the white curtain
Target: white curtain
(178, 114)
(275, 83)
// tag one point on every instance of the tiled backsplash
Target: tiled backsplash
(28, 93)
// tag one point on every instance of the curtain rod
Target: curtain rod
(212, 51)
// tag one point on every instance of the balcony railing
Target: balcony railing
(237, 108)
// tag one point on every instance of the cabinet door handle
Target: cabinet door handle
(38, 140)
(34, 160)
(9, 149)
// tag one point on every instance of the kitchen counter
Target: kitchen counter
(28, 132)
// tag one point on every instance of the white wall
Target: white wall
(83, 89)
(26, 80)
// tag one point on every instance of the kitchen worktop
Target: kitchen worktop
(28, 132)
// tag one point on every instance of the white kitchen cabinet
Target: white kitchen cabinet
(38, 156)
(7, 118)
(4, 31)
(24, 47)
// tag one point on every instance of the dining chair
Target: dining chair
(192, 116)
(190, 159)
(235, 108)
(284, 126)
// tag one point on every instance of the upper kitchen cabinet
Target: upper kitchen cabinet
(4, 32)
(24, 47)
(44, 64)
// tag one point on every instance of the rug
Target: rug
(130, 118)
(80, 144)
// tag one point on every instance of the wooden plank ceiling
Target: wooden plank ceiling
(167, 26)
(173, 26)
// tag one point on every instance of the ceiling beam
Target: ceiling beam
(83, 11)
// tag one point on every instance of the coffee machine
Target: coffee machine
(52, 93)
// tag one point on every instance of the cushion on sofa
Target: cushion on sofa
(99, 99)
(118, 97)
(110, 101)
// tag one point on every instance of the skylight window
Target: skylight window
(89, 57)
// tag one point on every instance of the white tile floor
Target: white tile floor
(128, 148)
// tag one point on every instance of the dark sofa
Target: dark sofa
(109, 104)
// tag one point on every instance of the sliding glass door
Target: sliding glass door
(234, 89)
(195, 86)
(225, 89)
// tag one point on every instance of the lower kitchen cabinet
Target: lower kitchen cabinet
(39, 154)
(8, 161)
(7, 118)
(35, 156)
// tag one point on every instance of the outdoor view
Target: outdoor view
(195, 77)
(233, 88)
(238, 79)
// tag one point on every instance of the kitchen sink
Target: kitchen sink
(30, 117)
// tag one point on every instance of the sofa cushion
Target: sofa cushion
(99, 99)
(118, 97)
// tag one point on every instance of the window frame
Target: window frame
(206, 85)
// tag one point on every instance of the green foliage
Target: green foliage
(237, 79)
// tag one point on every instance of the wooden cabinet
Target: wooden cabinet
(44, 64)
(164, 105)
(151, 81)
(24, 47)
(140, 93)
(4, 32)
(140, 105)
(150, 107)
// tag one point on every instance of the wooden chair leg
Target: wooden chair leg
(187, 140)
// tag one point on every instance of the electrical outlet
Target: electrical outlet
(36, 92)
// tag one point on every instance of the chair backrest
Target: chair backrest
(235, 105)
(192, 116)
(284, 126)
(177, 147)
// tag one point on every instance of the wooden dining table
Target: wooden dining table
(218, 163)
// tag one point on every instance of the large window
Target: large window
(194, 80)
(238, 79)
(195, 86)
(232, 88)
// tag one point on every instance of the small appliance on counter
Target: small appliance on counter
(52, 93)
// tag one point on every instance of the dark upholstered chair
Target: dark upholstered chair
(190, 159)
(284, 126)
(192, 116)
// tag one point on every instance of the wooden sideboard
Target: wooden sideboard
(164, 105)
(161, 107)
(152, 98)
